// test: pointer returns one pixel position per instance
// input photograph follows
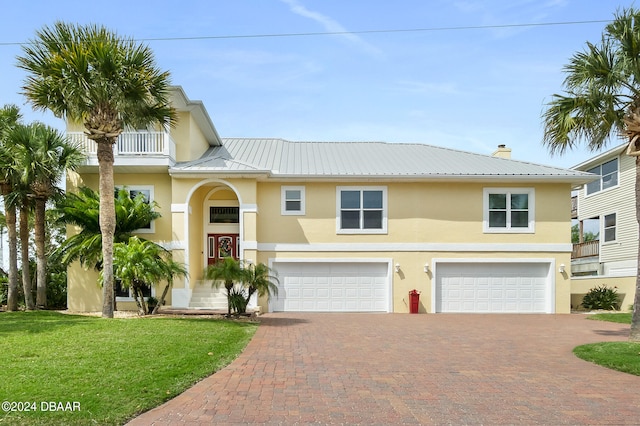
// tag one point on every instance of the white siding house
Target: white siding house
(608, 204)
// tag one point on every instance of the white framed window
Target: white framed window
(126, 294)
(608, 177)
(609, 228)
(147, 192)
(361, 210)
(509, 210)
(292, 200)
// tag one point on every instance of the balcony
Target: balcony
(133, 149)
(586, 249)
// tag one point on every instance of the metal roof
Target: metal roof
(288, 159)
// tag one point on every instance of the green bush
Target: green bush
(237, 298)
(601, 297)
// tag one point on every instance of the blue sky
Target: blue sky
(467, 89)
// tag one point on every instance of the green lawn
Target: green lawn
(111, 369)
(621, 356)
(621, 317)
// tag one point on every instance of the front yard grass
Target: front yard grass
(621, 356)
(111, 369)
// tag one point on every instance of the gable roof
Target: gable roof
(279, 158)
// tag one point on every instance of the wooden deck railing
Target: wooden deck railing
(586, 249)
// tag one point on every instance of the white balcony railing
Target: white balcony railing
(132, 144)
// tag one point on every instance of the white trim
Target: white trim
(283, 200)
(248, 208)
(417, 247)
(250, 245)
(178, 208)
(387, 260)
(361, 230)
(508, 230)
(550, 291)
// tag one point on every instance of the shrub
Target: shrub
(601, 297)
(237, 298)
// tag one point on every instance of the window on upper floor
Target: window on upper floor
(608, 176)
(361, 210)
(147, 193)
(292, 200)
(509, 210)
(610, 228)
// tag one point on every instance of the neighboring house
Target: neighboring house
(348, 226)
(606, 207)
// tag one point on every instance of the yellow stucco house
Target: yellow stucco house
(349, 227)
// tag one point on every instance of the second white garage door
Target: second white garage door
(493, 287)
(332, 287)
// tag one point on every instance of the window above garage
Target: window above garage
(292, 200)
(361, 210)
(509, 210)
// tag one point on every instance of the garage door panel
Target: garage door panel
(492, 287)
(327, 286)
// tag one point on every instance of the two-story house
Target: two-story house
(348, 226)
(607, 208)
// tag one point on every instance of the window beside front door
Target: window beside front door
(361, 210)
(509, 210)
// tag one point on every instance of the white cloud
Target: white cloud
(332, 26)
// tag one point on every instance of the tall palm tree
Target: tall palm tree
(44, 155)
(602, 100)
(9, 117)
(91, 75)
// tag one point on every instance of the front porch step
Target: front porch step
(205, 296)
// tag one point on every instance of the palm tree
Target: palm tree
(9, 117)
(44, 155)
(226, 272)
(602, 99)
(261, 279)
(82, 209)
(90, 75)
(139, 263)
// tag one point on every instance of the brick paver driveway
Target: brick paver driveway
(413, 369)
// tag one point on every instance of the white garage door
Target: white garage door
(493, 287)
(331, 287)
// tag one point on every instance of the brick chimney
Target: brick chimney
(502, 152)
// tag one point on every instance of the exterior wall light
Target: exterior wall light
(561, 268)
(397, 267)
(426, 267)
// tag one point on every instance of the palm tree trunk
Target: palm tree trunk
(41, 258)
(107, 221)
(24, 252)
(161, 301)
(634, 333)
(12, 232)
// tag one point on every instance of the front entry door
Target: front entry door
(220, 246)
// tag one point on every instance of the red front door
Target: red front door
(220, 246)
